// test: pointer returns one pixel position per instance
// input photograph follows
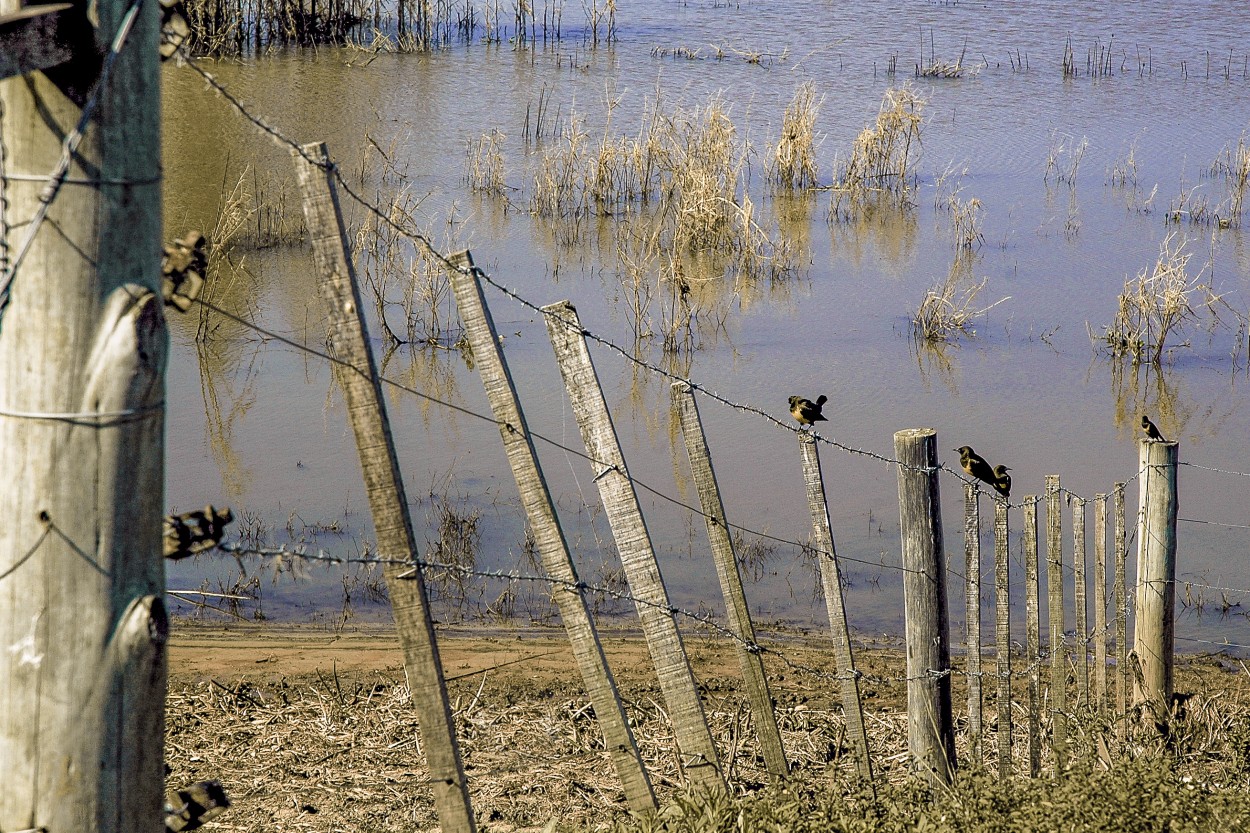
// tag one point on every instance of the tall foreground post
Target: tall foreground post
(82, 395)
(357, 374)
(1156, 570)
(930, 731)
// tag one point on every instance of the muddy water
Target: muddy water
(258, 425)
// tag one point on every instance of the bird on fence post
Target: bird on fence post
(975, 465)
(1002, 481)
(1152, 433)
(806, 411)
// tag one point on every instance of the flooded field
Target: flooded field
(1045, 189)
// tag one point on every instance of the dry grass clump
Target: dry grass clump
(881, 169)
(1158, 304)
(1063, 160)
(681, 217)
(484, 158)
(794, 158)
(950, 307)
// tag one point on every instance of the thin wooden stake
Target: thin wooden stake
(930, 731)
(549, 538)
(357, 373)
(1154, 630)
(1082, 617)
(1119, 545)
(1002, 636)
(633, 542)
(730, 580)
(1054, 592)
(972, 613)
(1032, 633)
(1100, 601)
(831, 584)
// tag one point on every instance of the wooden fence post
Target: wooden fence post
(1100, 601)
(972, 612)
(549, 538)
(1002, 636)
(1054, 619)
(83, 349)
(1079, 579)
(831, 584)
(930, 732)
(1032, 634)
(1156, 572)
(357, 374)
(1119, 544)
(736, 609)
(633, 542)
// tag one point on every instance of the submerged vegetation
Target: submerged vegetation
(881, 169)
(1160, 303)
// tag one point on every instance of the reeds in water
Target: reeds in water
(794, 157)
(880, 171)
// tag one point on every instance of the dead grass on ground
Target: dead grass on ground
(332, 751)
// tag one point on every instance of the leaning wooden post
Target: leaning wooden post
(739, 614)
(1119, 544)
(1032, 634)
(83, 348)
(549, 538)
(972, 612)
(1100, 601)
(930, 732)
(357, 374)
(1002, 636)
(1054, 619)
(1153, 632)
(831, 585)
(633, 542)
(1078, 582)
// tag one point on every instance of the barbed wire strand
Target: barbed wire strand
(68, 147)
(270, 334)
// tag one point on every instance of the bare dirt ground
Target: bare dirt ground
(313, 730)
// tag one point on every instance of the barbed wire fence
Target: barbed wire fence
(702, 620)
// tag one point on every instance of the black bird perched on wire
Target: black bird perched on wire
(975, 465)
(806, 411)
(1152, 433)
(1002, 481)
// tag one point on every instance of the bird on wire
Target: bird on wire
(1152, 433)
(975, 466)
(806, 411)
(1002, 481)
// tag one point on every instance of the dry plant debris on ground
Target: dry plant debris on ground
(316, 731)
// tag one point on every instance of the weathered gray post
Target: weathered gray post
(831, 584)
(930, 732)
(549, 538)
(1156, 570)
(1002, 636)
(730, 580)
(1100, 601)
(1079, 579)
(972, 612)
(633, 543)
(1119, 544)
(82, 400)
(1054, 620)
(1033, 634)
(357, 374)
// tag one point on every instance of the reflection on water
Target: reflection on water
(1072, 179)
